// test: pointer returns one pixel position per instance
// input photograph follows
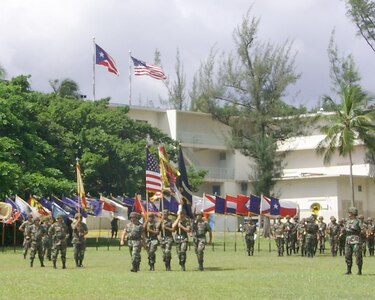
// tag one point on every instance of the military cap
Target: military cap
(321, 218)
(134, 214)
(353, 210)
(369, 219)
(287, 217)
(361, 217)
(332, 218)
(295, 217)
(36, 219)
(77, 215)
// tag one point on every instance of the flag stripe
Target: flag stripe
(143, 69)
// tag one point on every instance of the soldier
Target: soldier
(58, 231)
(114, 228)
(311, 236)
(182, 227)
(288, 226)
(342, 237)
(200, 229)
(362, 235)
(135, 235)
(333, 230)
(353, 243)
(249, 228)
(46, 241)
(167, 240)
(322, 234)
(278, 233)
(36, 233)
(370, 236)
(151, 227)
(79, 232)
(301, 236)
(26, 237)
(295, 245)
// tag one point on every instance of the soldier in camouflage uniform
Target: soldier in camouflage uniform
(47, 241)
(58, 231)
(342, 237)
(311, 229)
(295, 245)
(135, 235)
(301, 236)
(333, 230)
(288, 232)
(79, 244)
(278, 233)
(36, 233)
(166, 239)
(200, 229)
(353, 243)
(182, 227)
(250, 229)
(322, 234)
(370, 236)
(26, 238)
(362, 235)
(151, 227)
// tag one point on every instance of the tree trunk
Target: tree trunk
(351, 177)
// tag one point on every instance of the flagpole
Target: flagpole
(14, 236)
(78, 191)
(93, 69)
(3, 236)
(130, 78)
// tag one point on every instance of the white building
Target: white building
(306, 180)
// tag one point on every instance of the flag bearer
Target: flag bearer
(167, 239)
(200, 229)
(26, 237)
(58, 231)
(152, 226)
(182, 227)
(79, 232)
(249, 228)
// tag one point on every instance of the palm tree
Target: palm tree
(2, 72)
(66, 88)
(351, 122)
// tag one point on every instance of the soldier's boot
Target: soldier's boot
(200, 267)
(182, 263)
(152, 267)
(63, 264)
(24, 255)
(31, 263)
(248, 252)
(359, 270)
(80, 263)
(348, 270)
(168, 265)
(134, 267)
(54, 264)
(138, 265)
(41, 263)
(77, 263)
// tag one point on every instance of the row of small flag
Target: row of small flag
(141, 68)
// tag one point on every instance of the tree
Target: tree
(66, 88)
(350, 123)
(2, 72)
(362, 13)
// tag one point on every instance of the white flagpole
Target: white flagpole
(93, 69)
(259, 220)
(130, 78)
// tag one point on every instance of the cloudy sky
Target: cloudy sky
(53, 39)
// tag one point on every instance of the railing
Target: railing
(202, 138)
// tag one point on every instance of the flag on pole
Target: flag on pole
(34, 203)
(153, 176)
(104, 59)
(16, 211)
(209, 202)
(243, 204)
(80, 188)
(168, 172)
(220, 205)
(254, 206)
(231, 204)
(25, 208)
(184, 186)
(141, 68)
(270, 206)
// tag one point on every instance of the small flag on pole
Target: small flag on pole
(104, 59)
(80, 189)
(142, 68)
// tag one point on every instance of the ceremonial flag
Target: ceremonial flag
(34, 203)
(243, 204)
(168, 172)
(45, 203)
(153, 176)
(288, 208)
(138, 207)
(58, 211)
(16, 211)
(80, 188)
(270, 206)
(119, 212)
(231, 204)
(74, 204)
(183, 185)
(197, 204)
(93, 206)
(208, 205)
(104, 59)
(66, 207)
(220, 205)
(169, 203)
(141, 68)
(25, 208)
(254, 207)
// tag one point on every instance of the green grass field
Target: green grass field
(228, 274)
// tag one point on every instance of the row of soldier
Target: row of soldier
(50, 239)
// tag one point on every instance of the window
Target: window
(360, 188)
(222, 156)
(244, 188)
(216, 189)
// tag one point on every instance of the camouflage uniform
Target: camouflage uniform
(322, 234)
(134, 232)
(353, 243)
(301, 236)
(58, 231)
(166, 240)
(47, 241)
(278, 232)
(333, 230)
(182, 240)
(342, 237)
(311, 236)
(288, 232)
(295, 245)
(26, 237)
(36, 233)
(152, 230)
(200, 228)
(362, 235)
(370, 236)
(250, 229)
(79, 244)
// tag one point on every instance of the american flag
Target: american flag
(141, 68)
(153, 176)
(104, 59)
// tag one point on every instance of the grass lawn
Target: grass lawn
(228, 274)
